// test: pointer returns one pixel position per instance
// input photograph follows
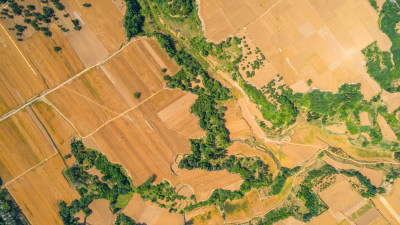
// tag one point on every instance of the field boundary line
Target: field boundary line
(263, 14)
(389, 208)
(45, 100)
(123, 113)
(16, 46)
(48, 91)
(28, 170)
(89, 100)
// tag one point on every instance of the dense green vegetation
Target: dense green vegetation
(10, 213)
(379, 63)
(134, 20)
(175, 7)
(279, 181)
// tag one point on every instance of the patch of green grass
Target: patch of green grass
(123, 200)
(232, 208)
(360, 212)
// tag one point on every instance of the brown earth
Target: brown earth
(368, 217)
(341, 189)
(19, 80)
(205, 182)
(104, 19)
(223, 18)
(57, 127)
(393, 198)
(101, 213)
(386, 130)
(38, 191)
(105, 93)
(392, 100)
(149, 213)
(145, 145)
(234, 122)
(364, 119)
(54, 67)
(176, 116)
(319, 40)
(298, 154)
(325, 218)
(22, 145)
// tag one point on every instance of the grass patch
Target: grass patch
(123, 200)
(360, 212)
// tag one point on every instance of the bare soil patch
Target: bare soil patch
(368, 217)
(101, 214)
(364, 119)
(325, 218)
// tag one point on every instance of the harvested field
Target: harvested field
(236, 125)
(87, 46)
(368, 217)
(149, 213)
(386, 130)
(319, 40)
(57, 127)
(392, 201)
(145, 145)
(205, 182)
(19, 80)
(38, 191)
(364, 119)
(392, 100)
(23, 145)
(298, 154)
(325, 218)
(251, 205)
(289, 221)
(341, 189)
(241, 149)
(221, 19)
(101, 213)
(249, 117)
(210, 216)
(104, 19)
(54, 67)
(103, 93)
(177, 117)
(384, 211)
(336, 129)
(375, 176)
